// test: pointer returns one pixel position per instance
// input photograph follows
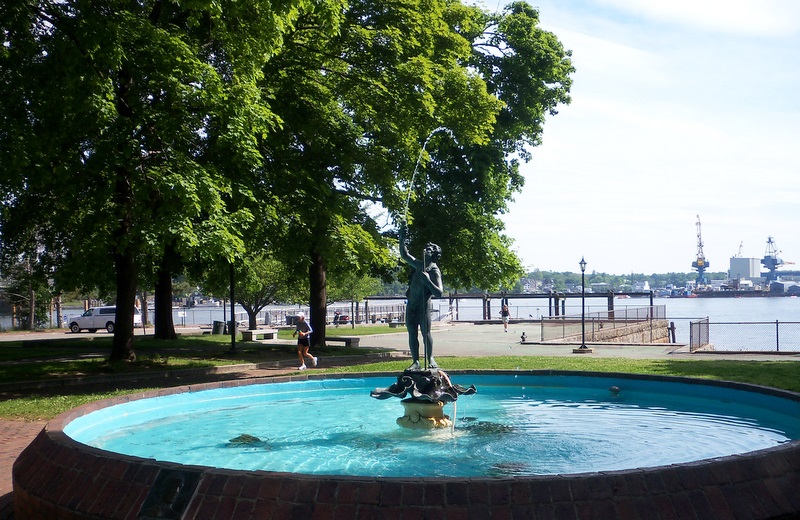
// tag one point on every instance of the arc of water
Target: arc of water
(419, 159)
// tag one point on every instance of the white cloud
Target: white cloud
(755, 17)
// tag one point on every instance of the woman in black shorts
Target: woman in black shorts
(303, 332)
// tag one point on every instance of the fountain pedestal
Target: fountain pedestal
(423, 415)
(428, 391)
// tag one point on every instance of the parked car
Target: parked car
(100, 318)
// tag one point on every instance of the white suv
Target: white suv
(100, 318)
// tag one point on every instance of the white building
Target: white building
(747, 268)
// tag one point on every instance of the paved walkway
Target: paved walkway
(451, 340)
(466, 339)
(14, 437)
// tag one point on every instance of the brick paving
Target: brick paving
(15, 436)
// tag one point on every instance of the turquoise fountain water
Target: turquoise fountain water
(515, 425)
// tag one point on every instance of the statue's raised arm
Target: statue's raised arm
(404, 254)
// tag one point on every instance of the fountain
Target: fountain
(429, 390)
(59, 476)
(419, 160)
(436, 473)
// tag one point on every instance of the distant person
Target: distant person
(336, 316)
(303, 331)
(425, 282)
(505, 315)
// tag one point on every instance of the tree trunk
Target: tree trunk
(164, 327)
(57, 303)
(318, 301)
(252, 316)
(31, 306)
(122, 346)
(145, 310)
(122, 248)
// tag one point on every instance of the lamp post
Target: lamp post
(583, 303)
(583, 348)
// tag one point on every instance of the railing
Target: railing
(754, 336)
(561, 327)
(385, 313)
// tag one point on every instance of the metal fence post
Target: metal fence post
(541, 328)
(777, 338)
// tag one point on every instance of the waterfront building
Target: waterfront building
(744, 268)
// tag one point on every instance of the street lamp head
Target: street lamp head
(583, 265)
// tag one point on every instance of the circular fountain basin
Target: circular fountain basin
(519, 425)
(556, 443)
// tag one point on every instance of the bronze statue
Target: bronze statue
(425, 282)
(423, 391)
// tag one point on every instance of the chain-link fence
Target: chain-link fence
(753, 336)
(698, 334)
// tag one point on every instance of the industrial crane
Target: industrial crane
(701, 264)
(771, 260)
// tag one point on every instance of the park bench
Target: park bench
(349, 341)
(255, 335)
(395, 324)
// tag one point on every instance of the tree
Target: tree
(142, 136)
(465, 187)
(365, 98)
(127, 130)
(25, 288)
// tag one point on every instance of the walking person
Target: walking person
(505, 315)
(303, 332)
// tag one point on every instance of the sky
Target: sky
(679, 108)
